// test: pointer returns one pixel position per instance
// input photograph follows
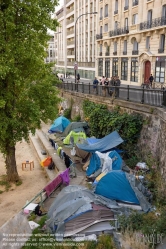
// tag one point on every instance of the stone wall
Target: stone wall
(153, 135)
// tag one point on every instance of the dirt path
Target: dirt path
(15, 198)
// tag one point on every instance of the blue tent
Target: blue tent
(94, 164)
(114, 185)
(59, 125)
(102, 145)
(116, 164)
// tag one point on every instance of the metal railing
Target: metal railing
(100, 36)
(115, 12)
(161, 50)
(126, 7)
(153, 97)
(135, 3)
(135, 52)
(107, 53)
(160, 21)
(120, 31)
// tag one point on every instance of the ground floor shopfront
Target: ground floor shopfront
(133, 70)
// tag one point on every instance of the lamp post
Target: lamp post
(75, 67)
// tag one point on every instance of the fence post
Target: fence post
(164, 97)
(82, 87)
(127, 92)
(142, 101)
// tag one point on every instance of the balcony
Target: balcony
(124, 52)
(70, 42)
(115, 12)
(70, 21)
(98, 37)
(107, 53)
(126, 8)
(60, 15)
(161, 21)
(70, 53)
(100, 53)
(161, 50)
(70, 32)
(135, 3)
(135, 52)
(69, 10)
(120, 31)
(115, 53)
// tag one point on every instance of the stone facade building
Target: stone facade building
(131, 40)
(85, 38)
(50, 50)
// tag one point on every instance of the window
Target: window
(107, 68)
(160, 71)
(115, 46)
(162, 42)
(116, 25)
(124, 68)
(116, 5)
(148, 42)
(125, 47)
(115, 67)
(134, 70)
(149, 17)
(126, 23)
(106, 27)
(106, 10)
(135, 45)
(50, 53)
(101, 29)
(100, 67)
(101, 13)
(135, 19)
(100, 48)
(126, 3)
(164, 11)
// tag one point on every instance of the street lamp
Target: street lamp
(75, 67)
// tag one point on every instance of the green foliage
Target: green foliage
(67, 113)
(26, 82)
(103, 122)
(77, 118)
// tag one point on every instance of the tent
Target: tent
(76, 137)
(59, 125)
(114, 185)
(76, 126)
(102, 145)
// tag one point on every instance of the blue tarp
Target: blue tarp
(59, 125)
(116, 164)
(104, 144)
(94, 164)
(114, 185)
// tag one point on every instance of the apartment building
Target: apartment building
(73, 14)
(131, 40)
(50, 50)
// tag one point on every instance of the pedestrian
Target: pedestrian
(102, 82)
(117, 84)
(95, 84)
(61, 78)
(106, 83)
(112, 84)
(78, 78)
(151, 80)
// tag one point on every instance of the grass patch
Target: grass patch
(4, 182)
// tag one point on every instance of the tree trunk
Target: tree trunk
(12, 174)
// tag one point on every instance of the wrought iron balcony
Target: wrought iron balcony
(161, 50)
(160, 21)
(135, 3)
(107, 53)
(100, 53)
(124, 52)
(126, 7)
(135, 52)
(120, 31)
(115, 12)
(115, 53)
(100, 36)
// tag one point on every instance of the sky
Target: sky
(60, 4)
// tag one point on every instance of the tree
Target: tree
(27, 94)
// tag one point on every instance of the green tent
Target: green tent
(74, 136)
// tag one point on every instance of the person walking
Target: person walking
(95, 84)
(117, 84)
(78, 78)
(151, 80)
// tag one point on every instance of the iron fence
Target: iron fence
(154, 97)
